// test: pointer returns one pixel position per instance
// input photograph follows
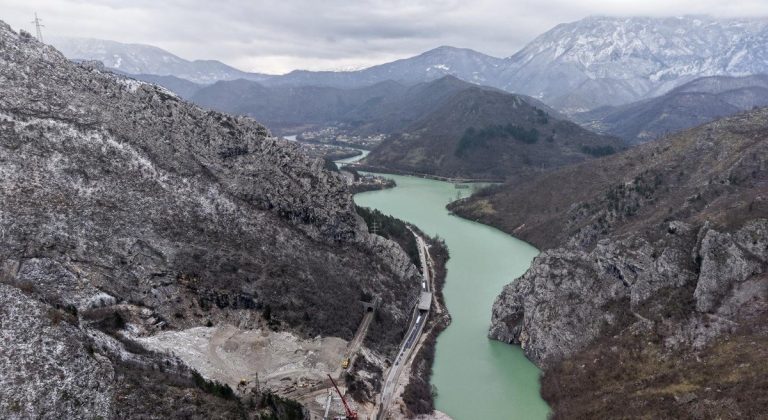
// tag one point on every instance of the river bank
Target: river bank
(418, 396)
(474, 376)
(382, 171)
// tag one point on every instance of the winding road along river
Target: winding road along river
(476, 378)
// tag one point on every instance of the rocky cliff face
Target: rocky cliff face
(620, 233)
(125, 207)
(654, 260)
(569, 298)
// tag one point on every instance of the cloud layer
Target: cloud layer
(278, 36)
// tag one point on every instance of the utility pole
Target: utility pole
(375, 227)
(38, 25)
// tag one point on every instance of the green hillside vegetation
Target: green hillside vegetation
(391, 228)
(490, 135)
(474, 138)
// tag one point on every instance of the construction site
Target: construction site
(310, 371)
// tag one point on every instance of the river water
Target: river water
(476, 378)
(342, 162)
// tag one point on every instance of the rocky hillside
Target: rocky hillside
(652, 291)
(694, 103)
(125, 211)
(612, 61)
(182, 87)
(488, 134)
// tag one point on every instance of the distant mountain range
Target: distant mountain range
(289, 106)
(427, 124)
(487, 134)
(384, 107)
(147, 59)
(612, 61)
(574, 67)
(463, 63)
(694, 103)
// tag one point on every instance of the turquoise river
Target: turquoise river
(476, 378)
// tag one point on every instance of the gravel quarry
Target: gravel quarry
(280, 361)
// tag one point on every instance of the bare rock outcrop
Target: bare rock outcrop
(571, 297)
(728, 260)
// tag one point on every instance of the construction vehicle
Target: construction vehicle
(345, 363)
(351, 415)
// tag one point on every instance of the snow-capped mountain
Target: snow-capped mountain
(573, 67)
(148, 59)
(589, 63)
(463, 63)
(609, 61)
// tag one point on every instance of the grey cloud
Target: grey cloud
(277, 36)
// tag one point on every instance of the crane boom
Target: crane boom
(328, 405)
(351, 415)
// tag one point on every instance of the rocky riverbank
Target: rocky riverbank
(570, 298)
(658, 254)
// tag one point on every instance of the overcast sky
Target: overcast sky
(276, 36)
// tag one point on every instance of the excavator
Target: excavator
(351, 415)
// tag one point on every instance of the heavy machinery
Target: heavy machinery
(345, 363)
(351, 415)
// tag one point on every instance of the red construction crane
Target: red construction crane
(351, 415)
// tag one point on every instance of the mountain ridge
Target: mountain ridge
(633, 58)
(383, 107)
(463, 63)
(484, 133)
(138, 59)
(581, 65)
(696, 102)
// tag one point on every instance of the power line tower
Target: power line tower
(38, 25)
(375, 227)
